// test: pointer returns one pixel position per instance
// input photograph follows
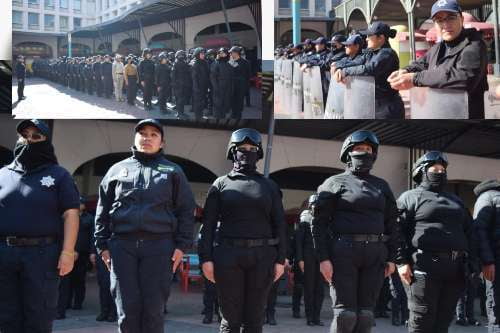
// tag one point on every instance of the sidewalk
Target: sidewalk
(184, 316)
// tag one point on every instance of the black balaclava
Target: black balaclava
(143, 157)
(245, 161)
(360, 162)
(434, 181)
(32, 155)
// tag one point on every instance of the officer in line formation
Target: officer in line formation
(214, 80)
(72, 286)
(38, 231)
(21, 76)
(371, 55)
(246, 253)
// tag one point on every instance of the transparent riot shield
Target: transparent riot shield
(491, 106)
(297, 91)
(428, 103)
(276, 89)
(335, 102)
(359, 100)
(317, 104)
(287, 70)
(306, 83)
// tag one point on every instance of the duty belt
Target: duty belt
(27, 241)
(453, 255)
(363, 238)
(248, 242)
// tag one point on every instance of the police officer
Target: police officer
(298, 277)
(354, 55)
(201, 79)
(38, 231)
(435, 236)
(338, 50)
(319, 58)
(130, 77)
(182, 78)
(309, 266)
(354, 219)
(107, 76)
(487, 224)
(146, 71)
(241, 80)
(250, 246)
(459, 61)
(96, 71)
(221, 77)
(72, 286)
(380, 61)
(21, 76)
(210, 59)
(144, 225)
(162, 80)
(107, 305)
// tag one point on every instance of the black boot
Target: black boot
(271, 320)
(207, 319)
(102, 317)
(396, 319)
(461, 322)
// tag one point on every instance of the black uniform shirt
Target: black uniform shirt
(431, 221)
(248, 207)
(354, 204)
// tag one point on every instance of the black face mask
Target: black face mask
(32, 155)
(361, 162)
(245, 161)
(435, 181)
(144, 157)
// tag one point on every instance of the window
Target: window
(33, 21)
(115, 13)
(17, 19)
(63, 23)
(320, 5)
(49, 4)
(33, 3)
(107, 4)
(304, 4)
(77, 6)
(63, 4)
(18, 3)
(49, 21)
(284, 4)
(77, 22)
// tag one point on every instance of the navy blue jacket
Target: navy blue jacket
(145, 194)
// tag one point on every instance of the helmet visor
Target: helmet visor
(364, 136)
(246, 134)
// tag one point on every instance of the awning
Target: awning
(152, 12)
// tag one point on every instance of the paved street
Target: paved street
(48, 100)
(184, 316)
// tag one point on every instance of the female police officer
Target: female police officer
(354, 218)
(250, 249)
(35, 192)
(380, 61)
(435, 234)
(144, 224)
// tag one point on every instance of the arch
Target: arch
(165, 41)
(6, 156)
(391, 11)
(104, 48)
(357, 19)
(306, 178)
(216, 35)
(32, 49)
(287, 37)
(77, 50)
(128, 46)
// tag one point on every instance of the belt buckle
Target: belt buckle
(9, 239)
